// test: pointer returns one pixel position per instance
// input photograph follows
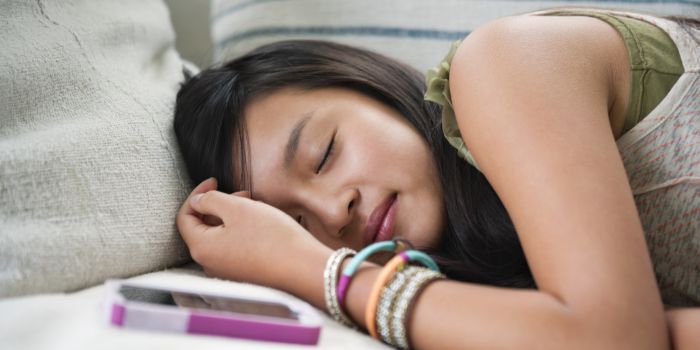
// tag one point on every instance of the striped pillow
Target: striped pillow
(417, 32)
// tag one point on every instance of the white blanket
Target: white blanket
(78, 321)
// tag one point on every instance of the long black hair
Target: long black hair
(479, 243)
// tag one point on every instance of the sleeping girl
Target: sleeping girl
(539, 189)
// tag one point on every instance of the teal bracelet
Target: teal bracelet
(354, 264)
(415, 255)
(393, 245)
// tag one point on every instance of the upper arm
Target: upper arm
(531, 96)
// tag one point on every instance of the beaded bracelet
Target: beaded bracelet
(405, 300)
(330, 278)
(387, 272)
(395, 245)
(387, 302)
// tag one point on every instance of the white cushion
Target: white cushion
(79, 321)
(418, 32)
(90, 175)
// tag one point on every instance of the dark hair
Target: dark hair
(479, 242)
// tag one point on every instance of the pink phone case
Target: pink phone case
(134, 314)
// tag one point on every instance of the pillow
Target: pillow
(90, 175)
(417, 32)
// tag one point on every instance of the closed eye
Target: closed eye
(328, 154)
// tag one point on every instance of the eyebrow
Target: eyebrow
(290, 151)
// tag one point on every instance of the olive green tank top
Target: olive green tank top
(655, 65)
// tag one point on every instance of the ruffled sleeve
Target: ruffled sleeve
(438, 91)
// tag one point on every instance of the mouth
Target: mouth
(380, 225)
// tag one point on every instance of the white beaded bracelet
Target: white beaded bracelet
(404, 300)
(330, 285)
(387, 303)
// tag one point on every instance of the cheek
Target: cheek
(389, 147)
(366, 150)
(434, 219)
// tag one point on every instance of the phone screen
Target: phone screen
(208, 302)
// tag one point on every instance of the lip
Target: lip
(380, 225)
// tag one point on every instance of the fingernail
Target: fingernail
(195, 198)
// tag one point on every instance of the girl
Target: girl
(550, 171)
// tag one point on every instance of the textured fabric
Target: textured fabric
(662, 158)
(417, 32)
(655, 65)
(661, 155)
(90, 175)
(79, 321)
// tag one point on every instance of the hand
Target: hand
(237, 238)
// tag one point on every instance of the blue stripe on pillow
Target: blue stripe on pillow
(247, 3)
(395, 32)
(238, 7)
(678, 2)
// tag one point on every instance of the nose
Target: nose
(335, 211)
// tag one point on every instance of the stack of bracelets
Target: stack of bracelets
(393, 292)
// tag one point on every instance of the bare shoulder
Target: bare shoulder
(532, 97)
(554, 54)
(544, 40)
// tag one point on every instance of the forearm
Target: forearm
(450, 314)
(438, 321)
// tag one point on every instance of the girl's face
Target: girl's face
(351, 170)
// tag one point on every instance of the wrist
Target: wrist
(303, 274)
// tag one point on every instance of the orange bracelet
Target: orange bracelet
(387, 272)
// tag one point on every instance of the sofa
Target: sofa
(90, 172)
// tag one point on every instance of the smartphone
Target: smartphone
(136, 305)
